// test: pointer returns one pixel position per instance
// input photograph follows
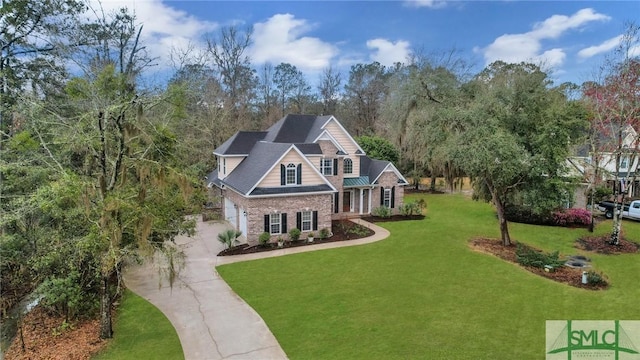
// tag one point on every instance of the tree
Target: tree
(33, 35)
(329, 89)
(615, 109)
(423, 98)
(515, 137)
(232, 64)
(115, 189)
(364, 93)
(378, 148)
(293, 89)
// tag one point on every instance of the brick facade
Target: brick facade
(256, 208)
(388, 180)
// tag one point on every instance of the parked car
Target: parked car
(630, 211)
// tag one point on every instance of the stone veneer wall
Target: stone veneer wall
(256, 208)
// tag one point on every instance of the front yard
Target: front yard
(423, 293)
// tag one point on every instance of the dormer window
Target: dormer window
(348, 166)
(624, 162)
(291, 175)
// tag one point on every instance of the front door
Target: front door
(346, 201)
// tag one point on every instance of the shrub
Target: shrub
(229, 237)
(264, 238)
(382, 212)
(410, 209)
(324, 233)
(595, 278)
(523, 214)
(356, 229)
(294, 234)
(311, 234)
(527, 256)
(571, 217)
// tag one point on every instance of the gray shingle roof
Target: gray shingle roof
(372, 167)
(296, 129)
(309, 149)
(212, 178)
(240, 143)
(261, 158)
(291, 190)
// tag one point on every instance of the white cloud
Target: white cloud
(388, 53)
(601, 48)
(528, 46)
(434, 4)
(164, 27)
(279, 39)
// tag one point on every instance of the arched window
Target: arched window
(291, 175)
(348, 166)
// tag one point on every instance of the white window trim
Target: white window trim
(309, 221)
(286, 175)
(324, 166)
(273, 223)
(387, 198)
(624, 162)
(344, 166)
(224, 166)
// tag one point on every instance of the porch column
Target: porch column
(361, 200)
(370, 199)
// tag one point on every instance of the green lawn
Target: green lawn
(422, 293)
(141, 331)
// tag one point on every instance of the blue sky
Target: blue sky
(568, 37)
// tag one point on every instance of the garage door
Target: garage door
(243, 221)
(230, 212)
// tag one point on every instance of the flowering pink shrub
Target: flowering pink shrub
(571, 217)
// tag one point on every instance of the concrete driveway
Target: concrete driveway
(211, 320)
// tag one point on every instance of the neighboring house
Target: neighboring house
(583, 165)
(303, 172)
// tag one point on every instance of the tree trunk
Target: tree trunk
(106, 331)
(433, 183)
(504, 228)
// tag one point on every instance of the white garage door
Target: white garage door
(243, 222)
(230, 212)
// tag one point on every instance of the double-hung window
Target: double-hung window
(387, 198)
(307, 221)
(291, 175)
(624, 162)
(327, 167)
(348, 166)
(275, 224)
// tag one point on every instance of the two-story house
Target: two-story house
(620, 171)
(303, 172)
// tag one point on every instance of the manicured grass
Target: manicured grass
(141, 331)
(422, 293)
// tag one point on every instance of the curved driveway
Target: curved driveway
(213, 322)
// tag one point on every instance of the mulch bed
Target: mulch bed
(373, 219)
(46, 338)
(600, 244)
(564, 274)
(343, 230)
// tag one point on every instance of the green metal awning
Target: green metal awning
(356, 182)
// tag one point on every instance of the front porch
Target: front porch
(354, 202)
